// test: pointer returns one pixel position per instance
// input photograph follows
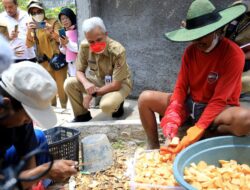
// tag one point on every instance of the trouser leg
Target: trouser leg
(60, 77)
(110, 102)
(52, 73)
(75, 91)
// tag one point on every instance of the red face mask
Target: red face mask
(98, 47)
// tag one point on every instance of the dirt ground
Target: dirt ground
(113, 178)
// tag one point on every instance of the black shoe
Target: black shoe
(119, 112)
(82, 118)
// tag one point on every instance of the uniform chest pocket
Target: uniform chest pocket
(92, 65)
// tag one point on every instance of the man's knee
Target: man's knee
(111, 104)
(243, 120)
(69, 84)
(144, 98)
(238, 123)
(108, 107)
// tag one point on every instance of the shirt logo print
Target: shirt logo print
(212, 77)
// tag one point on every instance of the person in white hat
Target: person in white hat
(29, 89)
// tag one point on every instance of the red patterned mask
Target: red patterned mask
(98, 47)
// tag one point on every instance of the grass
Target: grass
(118, 144)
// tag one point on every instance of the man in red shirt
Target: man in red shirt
(208, 85)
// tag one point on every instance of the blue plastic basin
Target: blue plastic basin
(211, 151)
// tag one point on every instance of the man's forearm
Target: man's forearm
(81, 77)
(114, 86)
(33, 172)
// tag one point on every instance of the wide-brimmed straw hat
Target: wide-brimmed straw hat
(202, 19)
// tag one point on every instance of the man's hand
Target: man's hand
(86, 101)
(19, 51)
(90, 88)
(170, 130)
(13, 35)
(193, 134)
(62, 169)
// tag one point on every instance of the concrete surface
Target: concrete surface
(127, 128)
(130, 113)
(139, 25)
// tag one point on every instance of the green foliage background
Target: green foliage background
(50, 13)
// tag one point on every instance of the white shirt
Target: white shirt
(72, 46)
(20, 41)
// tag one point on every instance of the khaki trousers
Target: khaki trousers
(245, 82)
(59, 77)
(109, 102)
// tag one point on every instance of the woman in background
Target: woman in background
(46, 42)
(68, 43)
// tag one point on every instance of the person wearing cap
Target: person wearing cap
(208, 85)
(29, 89)
(47, 44)
(68, 43)
(102, 70)
(16, 19)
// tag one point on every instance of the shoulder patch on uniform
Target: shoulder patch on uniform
(84, 43)
(115, 48)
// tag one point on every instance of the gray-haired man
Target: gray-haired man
(102, 70)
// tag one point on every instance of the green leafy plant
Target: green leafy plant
(50, 13)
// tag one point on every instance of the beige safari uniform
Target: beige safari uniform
(49, 47)
(111, 62)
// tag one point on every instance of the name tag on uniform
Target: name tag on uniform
(108, 79)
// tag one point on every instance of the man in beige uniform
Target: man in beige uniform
(102, 70)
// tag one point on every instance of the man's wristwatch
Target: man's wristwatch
(94, 94)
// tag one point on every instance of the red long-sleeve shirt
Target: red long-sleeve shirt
(213, 78)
